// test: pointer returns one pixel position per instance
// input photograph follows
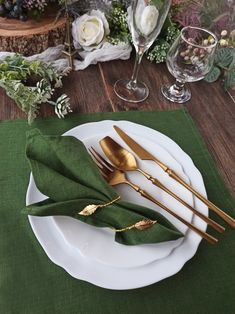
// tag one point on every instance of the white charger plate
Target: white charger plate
(61, 248)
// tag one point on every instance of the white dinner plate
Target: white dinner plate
(104, 249)
(96, 265)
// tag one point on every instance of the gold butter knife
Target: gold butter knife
(145, 155)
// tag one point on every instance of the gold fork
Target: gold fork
(143, 154)
(124, 160)
(114, 177)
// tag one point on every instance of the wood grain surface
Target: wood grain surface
(211, 108)
(13, 28)
(31, 37)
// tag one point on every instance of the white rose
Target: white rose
(89, 30)
(146, 19)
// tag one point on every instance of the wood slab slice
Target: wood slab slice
(31, 37)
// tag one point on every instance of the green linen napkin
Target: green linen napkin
(64, 171)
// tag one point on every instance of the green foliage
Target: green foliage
(229, 80)
(16, 72)
(23, 96)
(210, 11)
(157, 3)
(213, 75)
(159, 51)
(14, 68)
(224, 57)
(117, 19)
(160, 47)
(224, 64)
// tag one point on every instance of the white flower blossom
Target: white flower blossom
(224, 33)
(62, 106)
(89, 30)
(146, 18)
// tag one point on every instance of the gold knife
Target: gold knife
(145, 155)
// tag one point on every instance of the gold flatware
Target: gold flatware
(124, 160)
(145, 155)
(114, 177)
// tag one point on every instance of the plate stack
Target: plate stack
(90, 253)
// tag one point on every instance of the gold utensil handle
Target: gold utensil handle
(203, 234)
(208, 220)
(213, 207)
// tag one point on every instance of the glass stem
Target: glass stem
(178, 87)
(139, 54)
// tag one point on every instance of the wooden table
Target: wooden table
(211, 108)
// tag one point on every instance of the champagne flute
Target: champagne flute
(189, 59)
(146, 18)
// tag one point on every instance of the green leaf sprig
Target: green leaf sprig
(224, 64)
(117, 19)
(17, 76)
(158, 52)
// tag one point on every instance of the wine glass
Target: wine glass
(146, 18)
(189, 59)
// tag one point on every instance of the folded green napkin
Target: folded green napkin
(64, 171)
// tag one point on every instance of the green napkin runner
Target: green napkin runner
(64, 171)
(31, 284)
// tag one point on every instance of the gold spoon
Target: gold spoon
(115, 177)
(123, 160)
